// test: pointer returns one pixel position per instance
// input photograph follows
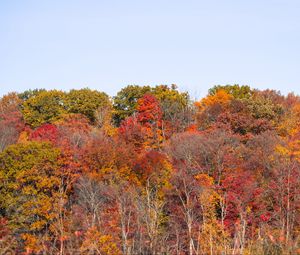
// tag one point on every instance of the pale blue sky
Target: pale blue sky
(107, 45)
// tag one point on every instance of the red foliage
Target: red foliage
(4, 229)
(151, 165)
(131, 131)
(11, 125)
(143, 128)
(46, 132)
(243, 197)
(149, 110)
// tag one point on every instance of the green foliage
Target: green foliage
(45, 107)
(235, 90)
(30, 93)
(171, 100)
(165, 93)
(86, 102)
(48, 106)
(263, 108)
(125, 101)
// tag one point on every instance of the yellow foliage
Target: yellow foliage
(101, 244)
(289, 126)
(220, 97)
(23, 137)
(32, 244)
(213, 238)
(204, 180)
(282, 150)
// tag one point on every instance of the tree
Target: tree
(30, 180)
(284, 193)
(263, 107)
(176, 108)
(86, 102)
(242, 203)
(153, 171)
(108, 159)
(132, 132)
(175, 105)
(235, 90)
(11, 120)
(27, 94)
(221, 176)
(125, 101)
(46, 133)
(74, 132)
(145, 128)
(210, 107)
(45, 107)
(8, 243)
(150, 117)
(99, 243)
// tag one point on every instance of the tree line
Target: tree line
(150, 172)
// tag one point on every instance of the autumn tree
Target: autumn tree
(153, 171)
(27, 94)
(242, 203)
(150, 172)
(86, 102)
(150, 117)
(144, 129)
(45, 107)
(175, 105)
(125, 102)
(237, 91)
(30, 181)
(11, 120)
(210, 107)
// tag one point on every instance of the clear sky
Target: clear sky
(107, 45)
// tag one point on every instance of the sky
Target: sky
(107, 45)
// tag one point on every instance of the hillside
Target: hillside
(149, 171)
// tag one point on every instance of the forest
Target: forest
(150, 171)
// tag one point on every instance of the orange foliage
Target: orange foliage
(220, 97)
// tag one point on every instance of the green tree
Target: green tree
(86, 102)
(166, 94)
(235, 90)
(173, 102)
(263, 107)
(125, 101)
(45, 107)
(30, 93)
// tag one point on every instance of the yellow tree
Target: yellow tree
(97, 243)
(212, 237)
(30, 183)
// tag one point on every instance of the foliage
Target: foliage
(125, 101)
(173, 103)
(30, 188)
(86, 102)
(237, 91)
(101, 244)
(48, 106)
(28, 177)
(45, 107)
(152, 173)
(11, 120)
(30, 93)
